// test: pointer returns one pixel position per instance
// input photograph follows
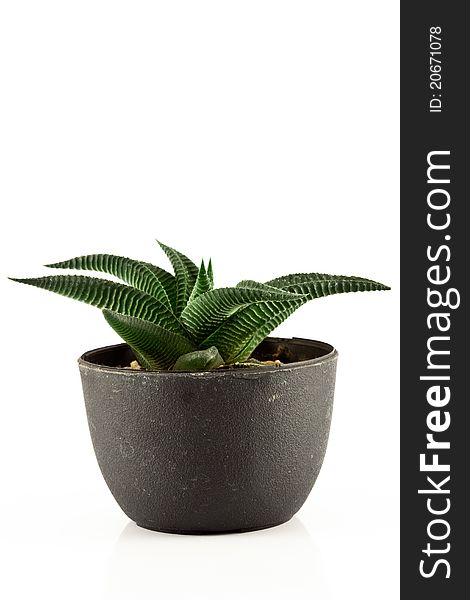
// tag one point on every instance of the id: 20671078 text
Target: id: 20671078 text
(435, 69)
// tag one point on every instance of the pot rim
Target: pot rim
(330, 354)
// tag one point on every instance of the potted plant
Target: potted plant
(200, 423)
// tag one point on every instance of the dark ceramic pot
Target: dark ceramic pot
(216, 451)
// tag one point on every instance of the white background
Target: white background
(265, 134)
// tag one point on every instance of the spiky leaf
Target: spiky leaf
(203, 284)
(155, 347)
(185, 273)
(200, 360)
(111, 295)
(239, 335)
(316, 285)
(210, 273)
(203, 316)
(144, 276)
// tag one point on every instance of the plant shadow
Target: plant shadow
(281, 562)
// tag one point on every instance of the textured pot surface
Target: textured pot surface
(224, 450)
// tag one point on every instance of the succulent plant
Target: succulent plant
(181, 321)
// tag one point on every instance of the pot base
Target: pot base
(193, 532)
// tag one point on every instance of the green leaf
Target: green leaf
(203, 316)
(239, 335)
(316, 285)
(144, 276)
(111, 295)
(203, 284)
(200, 360)
(186, 274)
(249, 283)
(154, 346)
(210, 273)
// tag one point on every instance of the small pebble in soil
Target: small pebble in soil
(134, 366)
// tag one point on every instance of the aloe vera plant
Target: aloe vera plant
(181, 321)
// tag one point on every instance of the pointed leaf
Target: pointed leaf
(144, 276)
(203, 284)
(210, 273)
(239, 335)
(155, 347)
(185, 274)
(203, 316)
(109, 294)
(316, 285)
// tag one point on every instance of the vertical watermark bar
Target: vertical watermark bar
(435, 253)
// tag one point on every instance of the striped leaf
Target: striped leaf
(249, 283)
(239, 335)
(203, 284)
(155, 347)
(316, 285)
(103, 293)
(203, 316)
(185, 273)
(144, 276)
